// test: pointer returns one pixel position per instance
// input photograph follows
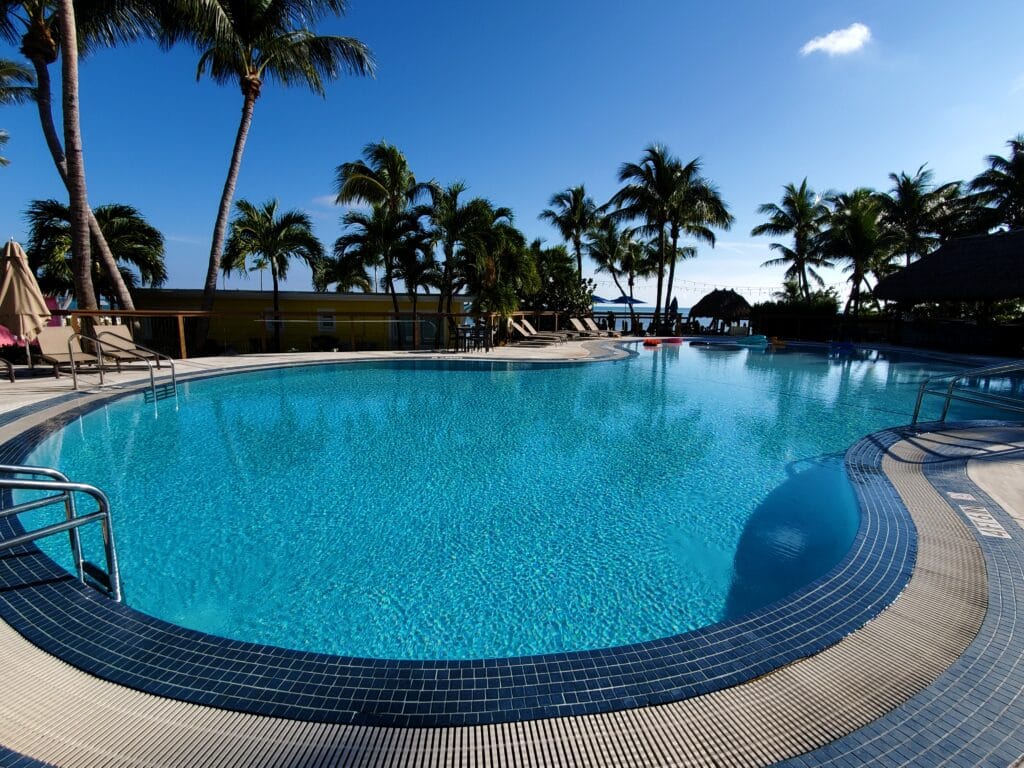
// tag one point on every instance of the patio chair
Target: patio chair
(592, 326)
(53, 349)
(119, 345)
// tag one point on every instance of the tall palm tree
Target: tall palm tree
(384, 181)
(648, 195)
(573, 214)
(857, 234)
(800, 213)
(134, 241)
(35, 25)
(77, 192)
(914, 210)
(262, 232)
(696, 207)
(250, 43)
(1001, 186)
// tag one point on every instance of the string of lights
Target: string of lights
(681, 286)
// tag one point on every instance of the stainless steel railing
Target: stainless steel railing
(63, 493)
(139, 352)
(954, 391)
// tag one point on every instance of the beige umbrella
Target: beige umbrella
(22, 306)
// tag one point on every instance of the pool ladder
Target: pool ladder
(954, 391)
(62, 491)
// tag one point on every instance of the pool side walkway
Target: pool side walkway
(935, 679)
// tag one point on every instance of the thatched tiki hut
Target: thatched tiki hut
(983, 268)
(721, 305)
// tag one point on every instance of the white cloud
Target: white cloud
(1017, 86)
(325, 201)
(839, 42)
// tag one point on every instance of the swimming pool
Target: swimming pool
(437, 510)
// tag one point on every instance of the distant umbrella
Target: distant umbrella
(624, 299)
(601, 300)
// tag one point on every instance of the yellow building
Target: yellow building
(244, 321)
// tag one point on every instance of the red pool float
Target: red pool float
(674, 340)
(652, 342)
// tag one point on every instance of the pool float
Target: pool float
(758, 340)
(652, 342)
(674, 340)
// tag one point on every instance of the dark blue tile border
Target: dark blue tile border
(114, 642)
(973, 714)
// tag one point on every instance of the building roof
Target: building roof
(721, 304)
(980, 268)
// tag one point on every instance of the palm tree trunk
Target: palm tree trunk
(632, 311)
(79, 199)
(661, 277)
(44, 105)
(415, 323)
(223, 212)
(579, 258)
(277, 309)
(671, 271)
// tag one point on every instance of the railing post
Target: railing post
(181, 337)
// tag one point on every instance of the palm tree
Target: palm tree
(857, 233)
(1001, 187)
(650, 186)
(36, 26)
(696, 207)
(261, 232)
(802, 214)
(417, 268)
(453, 226)
(249, 43)
(344, 272)
(16, 87)
(500, 269)
(77, 192)
(132, 239)
(914, 210)
(386, 183)
(573, 214)
(620, 254)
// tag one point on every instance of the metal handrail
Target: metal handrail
(71, 357)
(950, 394)
(65, 493)
(134, 351)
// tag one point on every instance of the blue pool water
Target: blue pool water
(447, 510)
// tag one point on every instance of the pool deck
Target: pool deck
(937, 678)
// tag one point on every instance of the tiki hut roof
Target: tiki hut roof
(721, 305)
(980, 268)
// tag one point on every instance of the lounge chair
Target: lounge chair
(118, 345)
(592, 326)
(9, 367)
(54, 344)
(533, 339)
(562, 335)
(582, 330)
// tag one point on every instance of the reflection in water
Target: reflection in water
(802, 523)
(384, 509)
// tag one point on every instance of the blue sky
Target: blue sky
(521, 100)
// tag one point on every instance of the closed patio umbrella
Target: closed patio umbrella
(22, 306)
